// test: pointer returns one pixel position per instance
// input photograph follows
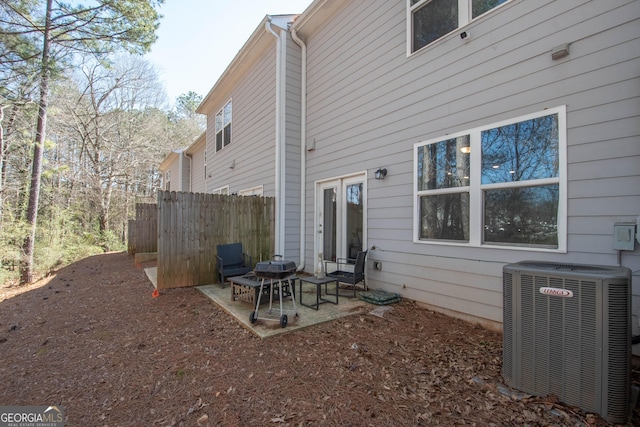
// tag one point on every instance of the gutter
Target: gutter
(279, 168)
(303, 146)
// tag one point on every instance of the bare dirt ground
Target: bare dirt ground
(93, 340)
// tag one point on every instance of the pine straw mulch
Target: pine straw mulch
(93, 340)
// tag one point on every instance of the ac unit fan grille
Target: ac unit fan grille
(575, 347)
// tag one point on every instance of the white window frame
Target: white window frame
(215, 136)
(221, 190)
(253, 191)
(476, 188)
(464, 18)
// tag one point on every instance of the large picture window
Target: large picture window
(502, 184)
(430, 20)
(223, 127)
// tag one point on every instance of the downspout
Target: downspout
(190, 171)
(303, 146)
(279, 191)
(180, 171)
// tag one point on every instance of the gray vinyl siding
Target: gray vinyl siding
(253, 132)
(174, 176)
(368, 104)
(177, 179)
(198, 169)
(253, 141)
(185, 178)
(292, 148)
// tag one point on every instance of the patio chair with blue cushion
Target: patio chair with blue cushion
(232, 261)
(344, 273)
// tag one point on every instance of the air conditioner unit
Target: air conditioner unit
(567, 332)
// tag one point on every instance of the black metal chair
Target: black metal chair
(232, 261)
(343, 274)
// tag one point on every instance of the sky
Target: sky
(198, 39)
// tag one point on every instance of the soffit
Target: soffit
(168, 161)
(316, 15)
(197, 144)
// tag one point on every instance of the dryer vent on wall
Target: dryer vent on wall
(567, 332)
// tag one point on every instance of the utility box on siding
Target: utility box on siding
(567, 332)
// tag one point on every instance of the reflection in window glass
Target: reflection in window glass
(354, 219)
(444, 164)
(219, 141)
(227, 113)
(445, 216)
(330, 218)
(433, 20)
(507, 177)
(227, 134)
(522, 215)
(521, 151)
(223, 127)
(481, 6)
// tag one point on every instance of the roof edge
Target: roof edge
(198, 141)
(239, 64)
(316, 14)
(170, 158)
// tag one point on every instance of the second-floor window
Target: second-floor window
(223, 127)
(433, 19)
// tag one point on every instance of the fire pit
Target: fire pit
(271, 271)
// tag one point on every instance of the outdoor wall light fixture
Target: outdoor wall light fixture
(381, 173)
(233, 164)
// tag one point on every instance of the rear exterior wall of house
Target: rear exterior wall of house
(370, 103)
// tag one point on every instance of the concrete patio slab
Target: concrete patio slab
(265, 327)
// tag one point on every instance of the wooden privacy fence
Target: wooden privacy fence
(143, 231)
(191, 225)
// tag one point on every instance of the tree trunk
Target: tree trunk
(125, 222)
(2, 163)
(26, 265)
(105, 206)
(3, 155)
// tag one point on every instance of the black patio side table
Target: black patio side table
(319, 282)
